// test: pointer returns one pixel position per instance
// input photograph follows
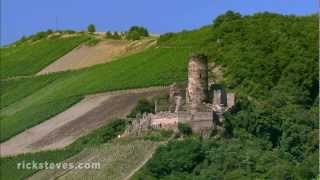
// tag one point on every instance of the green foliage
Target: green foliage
(177, 156)
(104, 134)
(115, 35)
(91, 28)
(109, 35)
(271, 62)
(165, 37)
(40, 35)
(245, 157)
(185, 129)
(30, 58)
(157, 135)
(93, 41)
(136, 33)
(143, 106)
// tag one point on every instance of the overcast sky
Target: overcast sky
(25, 17)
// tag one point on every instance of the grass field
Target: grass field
(27, 102)
(29, 58)
(104, 134)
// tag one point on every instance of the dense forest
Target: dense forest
(271, 62)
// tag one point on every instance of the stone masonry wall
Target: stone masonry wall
(197, 90)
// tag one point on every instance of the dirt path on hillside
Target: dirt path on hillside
(90, 113)
(103, 52)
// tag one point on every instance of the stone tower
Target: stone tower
(197, 90)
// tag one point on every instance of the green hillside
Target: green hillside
(28, 58)
(105, 134)
(27, 102)
(271, 62)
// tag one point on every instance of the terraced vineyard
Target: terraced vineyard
(42, 97)
(29, 58)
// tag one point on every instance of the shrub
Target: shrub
(38, 36)
(91, 28)
(133, 36)
(136, 32)
(158, 135)
(113, 129)
(185, 129)
(116, 35)
(109, 35)
(165, 37)
(69, 31)
(143, 106)
(92, 42)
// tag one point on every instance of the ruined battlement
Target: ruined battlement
(193, 103)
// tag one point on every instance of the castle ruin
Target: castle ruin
(197, 90)
(196, 103)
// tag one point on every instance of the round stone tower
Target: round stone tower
(197, 90)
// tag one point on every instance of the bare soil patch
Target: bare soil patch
(103, 52)
(87, 115)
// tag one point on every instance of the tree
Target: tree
(136, 32)
(115, 35)
(91, 28)
(143, 106)
(177, 156)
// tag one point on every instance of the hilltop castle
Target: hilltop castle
(197, 103)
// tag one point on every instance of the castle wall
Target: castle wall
(164, 120)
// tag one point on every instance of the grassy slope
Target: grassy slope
(117, 160)
(54, 93)
(29, 58)
(8, 165)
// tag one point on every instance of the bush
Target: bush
(69, 31)
(136, 32)
(143, 106)
(184, 129)
(165, 37)
(176, 157)
(115, 35)
(113, 129)
(92, 42)
(158, 135)
(38, 36)
(109, 35)
(91, 28)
